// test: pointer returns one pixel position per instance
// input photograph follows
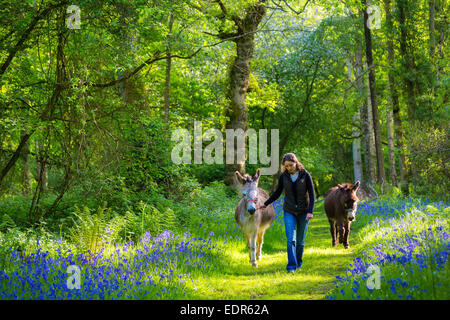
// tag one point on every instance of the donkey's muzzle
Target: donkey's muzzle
(251, 210)
(351, 214)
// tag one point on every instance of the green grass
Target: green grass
(235, 278)
(225, 272)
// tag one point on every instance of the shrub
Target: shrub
(16, 206)
(207, 173)
(428, 146)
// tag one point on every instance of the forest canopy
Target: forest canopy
(91, 91)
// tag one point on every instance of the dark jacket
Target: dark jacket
(298, 195)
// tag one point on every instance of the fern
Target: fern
(7, 223)
(88, 228)
(154, 223)
(130, 221)
(170, 220)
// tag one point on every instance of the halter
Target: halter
(251, 200)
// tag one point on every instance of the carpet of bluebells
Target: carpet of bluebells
(405, 252)
(152, 268)
(405, 242)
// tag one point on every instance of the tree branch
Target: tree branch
(26, 34)
(156, 57)
(279, 6)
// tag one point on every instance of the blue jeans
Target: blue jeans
(295, 227)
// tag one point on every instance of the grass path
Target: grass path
(235, 278)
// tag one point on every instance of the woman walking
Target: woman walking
(298, 207)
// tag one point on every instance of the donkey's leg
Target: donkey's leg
(340, 228)
(247, 236)
(260, 243)
(346, 234)
(333, 233)
(253, 249)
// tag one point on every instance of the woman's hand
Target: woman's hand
(309, 216)
(261, 207)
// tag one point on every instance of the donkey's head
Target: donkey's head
(349, 200)
(249, 189)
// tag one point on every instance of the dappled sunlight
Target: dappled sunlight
(326, 252)
(260, 285)
(233, 276)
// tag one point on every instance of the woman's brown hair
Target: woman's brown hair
(291, 157)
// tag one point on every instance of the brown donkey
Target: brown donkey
(340, 206)
(253, 222)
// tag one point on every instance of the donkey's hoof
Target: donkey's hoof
(255, 264)
(347, 246)
(335, 244)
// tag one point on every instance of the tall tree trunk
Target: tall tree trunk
(237, 111)
(356, 147)
(130, 89)
(35, 212)
(391, 150)
(432, 44)
(373, 98)
(431, 19)
(407, 60)
(168, 68)
(398, 130)
(394, 109)
(443, 28)
(26, 174)
(371, 138)
(356, 143)
(41, 167)
(401, 148)
(367, 171)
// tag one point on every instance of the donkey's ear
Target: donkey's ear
(356, 186)
(239, 177)
(258, 173)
